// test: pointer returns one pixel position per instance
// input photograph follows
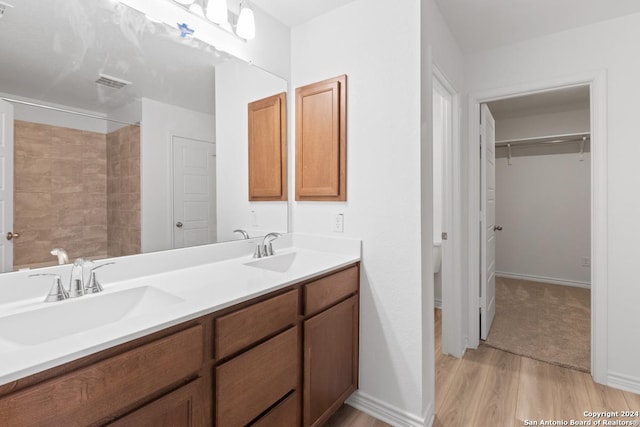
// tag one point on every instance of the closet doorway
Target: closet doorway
(543, 226)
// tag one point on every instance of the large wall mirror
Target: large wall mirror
(157, 157)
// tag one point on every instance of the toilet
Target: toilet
(437, 256)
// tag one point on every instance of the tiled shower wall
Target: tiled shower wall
(77, 190)
(60, 196)
(123, 191)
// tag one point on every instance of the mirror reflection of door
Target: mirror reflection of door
(194, 192)
(6, 185)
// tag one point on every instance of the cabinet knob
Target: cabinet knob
(179, 224)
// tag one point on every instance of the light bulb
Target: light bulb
(196, 9)
(217, 11)
(246, 27)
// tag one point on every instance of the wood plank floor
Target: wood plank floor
(489, 387)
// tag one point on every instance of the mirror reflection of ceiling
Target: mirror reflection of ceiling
(55, 50)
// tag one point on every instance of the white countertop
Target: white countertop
(194, 291)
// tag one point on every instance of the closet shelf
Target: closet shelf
(551, 139)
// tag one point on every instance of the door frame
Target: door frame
(596, 81)
(452, 326)
(7, 141)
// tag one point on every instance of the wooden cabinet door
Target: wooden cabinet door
(321, 138)
(268, 149)
(330, 360)
(180, 408)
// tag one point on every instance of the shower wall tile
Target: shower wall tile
(123, 191)
(60, 189)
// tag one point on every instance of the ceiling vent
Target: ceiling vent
(111, 81)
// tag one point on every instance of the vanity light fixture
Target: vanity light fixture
(3, 8)
(196, 9)
(218, 11)
(246, 27)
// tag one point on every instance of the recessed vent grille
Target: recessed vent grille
(112, 82)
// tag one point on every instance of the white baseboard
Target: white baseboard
(437, 303)
(385, 412)
(541, 279)
(624, 382)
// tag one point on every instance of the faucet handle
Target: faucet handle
(57, 291)
(94, 285)
(258, 252)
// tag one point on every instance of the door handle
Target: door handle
(179, 224)
(11, 235)
(497, 228)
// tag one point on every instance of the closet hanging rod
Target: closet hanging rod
(62, 110)
(552, 139)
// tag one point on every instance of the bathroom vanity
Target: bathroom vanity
(284, 354)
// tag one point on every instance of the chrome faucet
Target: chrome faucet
(244, 233)
(63, 258)
(76, 284)
(265, 248)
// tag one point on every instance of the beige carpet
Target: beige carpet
(545, 322)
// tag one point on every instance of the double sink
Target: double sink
(50, 321)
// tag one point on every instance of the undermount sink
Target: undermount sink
(278, 263)
(58, 319)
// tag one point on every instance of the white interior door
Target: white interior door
(487, 221)
(6, 186)
(194, 192)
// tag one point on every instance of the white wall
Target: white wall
(543, 205)
(237, 84)
(605, 46)
(159, 122)
(377, 44)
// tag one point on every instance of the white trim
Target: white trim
(385, 412)
(453, 329)
(542, 279)
(596, 80)
(624, 382)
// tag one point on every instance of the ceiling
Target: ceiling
(294, 12)
(480, 25)
(553, 100)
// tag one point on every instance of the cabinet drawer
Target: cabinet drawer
(283, 415)
(93, 393)
(242, 328)
(250, 383)
(331, 289)
(180, 408)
